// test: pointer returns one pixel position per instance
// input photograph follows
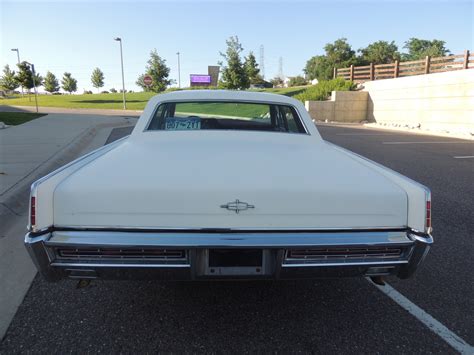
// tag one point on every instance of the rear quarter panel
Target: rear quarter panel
(417, 193)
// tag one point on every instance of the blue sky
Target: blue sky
(77, 36)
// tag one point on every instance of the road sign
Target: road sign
(147, 80)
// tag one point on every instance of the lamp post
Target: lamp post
(123, 79)
(34, 84)
(179, 72)
(18, 57)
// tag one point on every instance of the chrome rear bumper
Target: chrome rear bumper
(186, 255)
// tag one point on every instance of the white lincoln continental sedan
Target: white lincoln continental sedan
(226, 185)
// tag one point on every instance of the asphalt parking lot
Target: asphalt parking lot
(324, 316)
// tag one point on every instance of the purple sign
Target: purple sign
(201, 79)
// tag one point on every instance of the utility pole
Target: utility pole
(262, 62)
(123, 78)
(179, 72)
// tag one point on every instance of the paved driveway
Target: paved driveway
(325, 316)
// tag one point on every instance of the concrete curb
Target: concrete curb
(81, 111)
(420, 131)
(394, 129)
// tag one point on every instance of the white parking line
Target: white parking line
(364, 134)
(433, 142)
(435, 326)
(464, 157)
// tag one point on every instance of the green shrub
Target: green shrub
(322, 90)
(297, 81)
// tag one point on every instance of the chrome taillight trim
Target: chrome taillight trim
(346, 255)
(119, 255)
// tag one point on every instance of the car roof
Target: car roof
(230, 95)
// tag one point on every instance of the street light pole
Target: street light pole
(18, 57)
(34, 84)
(123, 79)
(179, 72)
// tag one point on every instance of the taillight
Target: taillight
(32, 213)
(428, 217)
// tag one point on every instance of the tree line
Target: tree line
(23, 77)
(238, 72)
(340, 54)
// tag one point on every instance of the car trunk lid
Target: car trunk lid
(228, 180)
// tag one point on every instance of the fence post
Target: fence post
(334, 73)
(395, 69)
(466, 59)
(372, 71)
(352, 72)
(427, 64)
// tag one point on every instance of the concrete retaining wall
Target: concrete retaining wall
(436, 102)
(440, 102)
(344, 106)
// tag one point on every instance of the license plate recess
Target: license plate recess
(234, 262)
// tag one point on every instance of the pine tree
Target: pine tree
(51, 83)
(251, 68)
(97, 79)
(68, 83)
(159, 72)
(8, 81)
(234, 75)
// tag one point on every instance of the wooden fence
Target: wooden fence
(401, 69)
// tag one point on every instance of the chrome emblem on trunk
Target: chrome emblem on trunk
(237, 206)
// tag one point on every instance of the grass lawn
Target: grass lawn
(135, 101)
(16, 118)
(223, 109)
(285, 91)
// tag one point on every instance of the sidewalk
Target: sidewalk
(27, 152)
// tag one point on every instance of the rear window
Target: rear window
(243, 116)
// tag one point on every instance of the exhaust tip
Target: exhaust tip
(378, 280)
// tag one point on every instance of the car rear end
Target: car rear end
(222, 205)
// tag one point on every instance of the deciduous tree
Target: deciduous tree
(50, 83)
(338, 54)
(24, 77)
(319, 67)
(68, 83)
(97, 78)
(420, 48)
(38, 79)
(7, 80)
(379, 52)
